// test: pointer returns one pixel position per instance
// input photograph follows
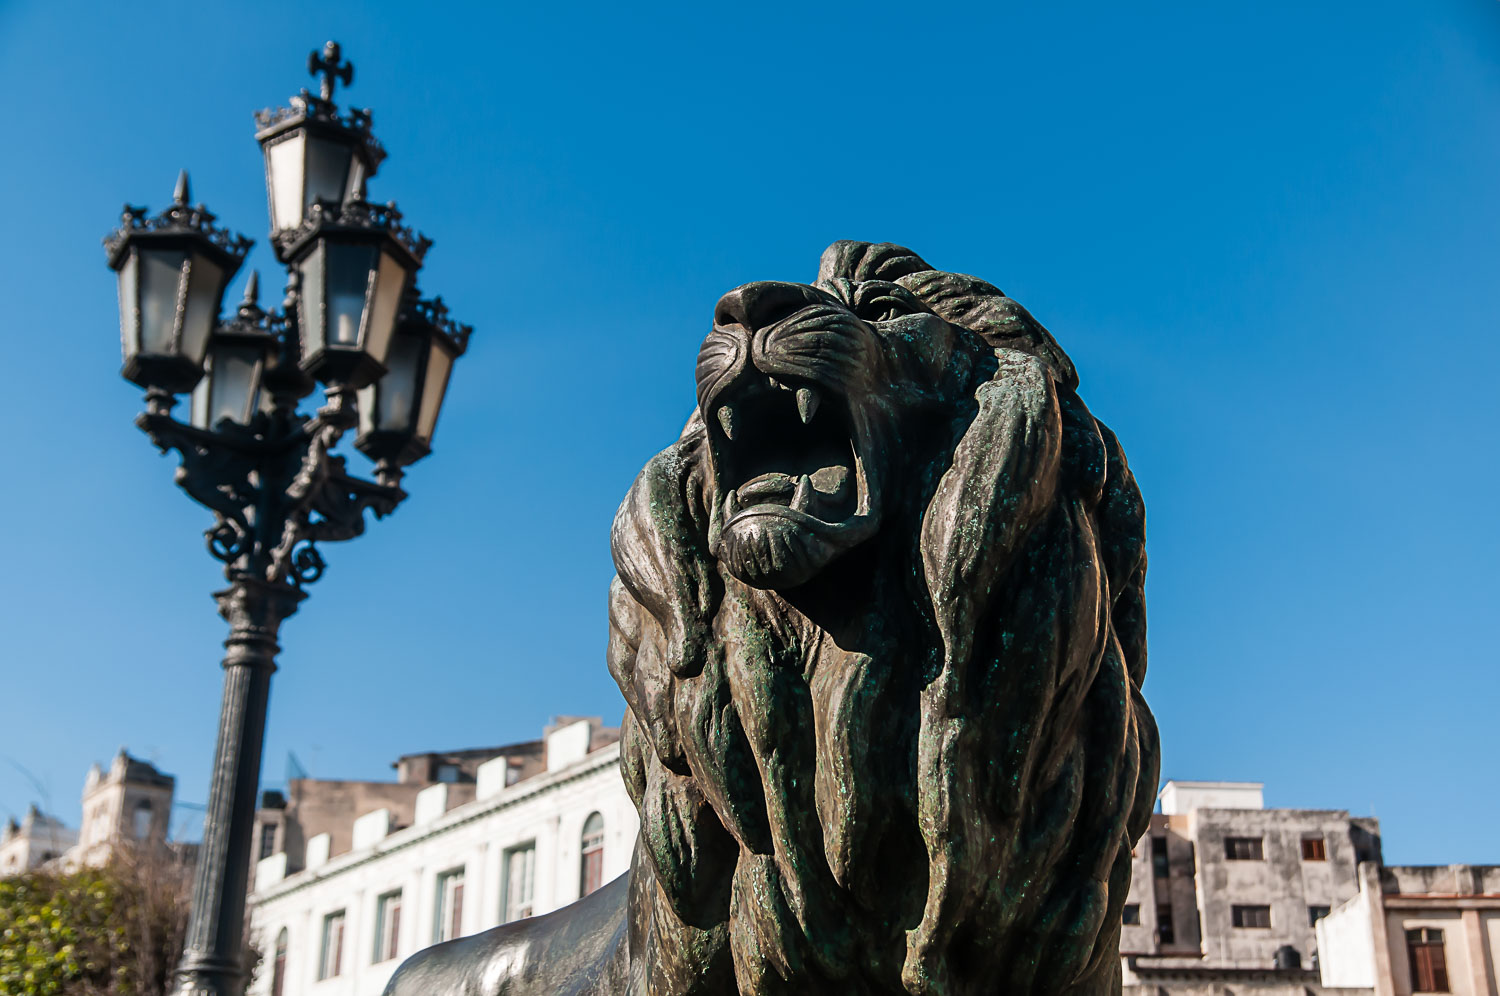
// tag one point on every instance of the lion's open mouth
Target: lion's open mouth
(788, 449)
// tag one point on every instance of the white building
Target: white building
(509, 848)
(129, 803)
(36, 840)
(132, 801)
(1416, 929)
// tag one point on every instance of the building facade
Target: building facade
(528, 829)
(33, 842)
(1225, 893)
(128, 803)
(1416, 929)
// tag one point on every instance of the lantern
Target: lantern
(237, 355)
(312, 154)
(354, 267)
(398, 413)
(172, 270)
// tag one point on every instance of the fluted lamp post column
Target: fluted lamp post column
(351, 320)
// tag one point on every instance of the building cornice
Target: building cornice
(470, 812)
(1437, 900)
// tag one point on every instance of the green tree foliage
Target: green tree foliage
(110, 931)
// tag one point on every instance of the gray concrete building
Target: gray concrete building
(1225, 893)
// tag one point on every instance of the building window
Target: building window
(447, 773)
(450, 906)
(1250, 916)
(520, 873)
(1313, 849)
(1243, 849)
(1429, 967)
(1131, 916)
(278, 965)
(141, 820)
(591, 874)
(1166, 933)
(333, 946)
(267, 840)
(1159, 865)
(387, 926)
(1316, 913)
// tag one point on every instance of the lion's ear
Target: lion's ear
(984, 309)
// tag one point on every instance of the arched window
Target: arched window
(592, 862)
(278, 966)
(141, 820)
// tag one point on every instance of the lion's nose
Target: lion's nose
(763, 303)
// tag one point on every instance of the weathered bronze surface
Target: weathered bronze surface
(879, 620)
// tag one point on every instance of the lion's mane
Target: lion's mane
(923, 771)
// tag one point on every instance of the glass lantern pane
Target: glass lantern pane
(390, 284)
(367, 409)
(285, 168)
(434, 386)
(310, 313)
(397, 390)
(198, 411)
(356, 189)
(205, 292)
(235, 379)
(160, 293)
(327, 172)
(130, 318)
(350, 269)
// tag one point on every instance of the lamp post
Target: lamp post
(351, 320)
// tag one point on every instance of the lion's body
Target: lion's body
(886, 734)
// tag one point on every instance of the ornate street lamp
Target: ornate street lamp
(352, 320)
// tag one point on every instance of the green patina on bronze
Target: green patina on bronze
(879, 622)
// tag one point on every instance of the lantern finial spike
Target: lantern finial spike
(180, 195)
(252, 288)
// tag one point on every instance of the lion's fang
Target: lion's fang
(802, 497)
(807, 404)
(726, 419)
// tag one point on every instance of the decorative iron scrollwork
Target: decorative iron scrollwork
(307, 564)
(275, 489)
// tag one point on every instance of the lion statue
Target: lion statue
(879, 621)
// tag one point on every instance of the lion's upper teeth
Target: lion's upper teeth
(802, 497)
(807, 403)
(726, 419)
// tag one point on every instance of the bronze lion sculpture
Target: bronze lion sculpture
(879, 621)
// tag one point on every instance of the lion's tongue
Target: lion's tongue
(827, 485)
(767, 487)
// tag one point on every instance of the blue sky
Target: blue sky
(1268, 234)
